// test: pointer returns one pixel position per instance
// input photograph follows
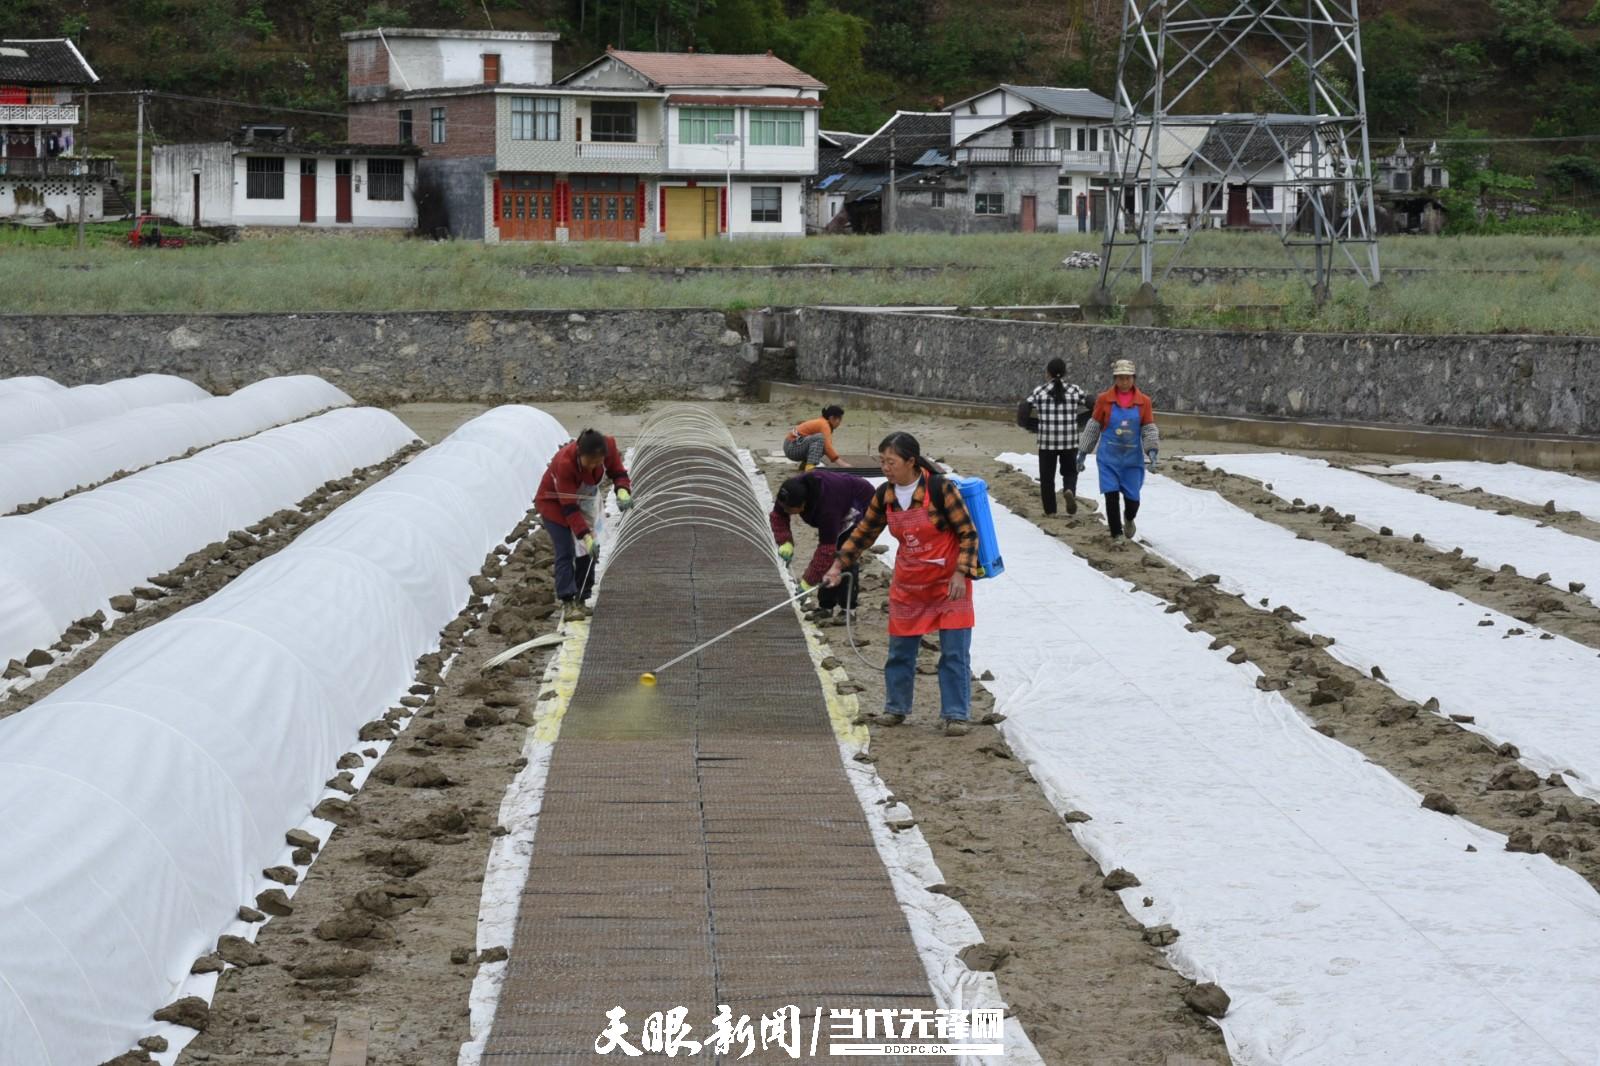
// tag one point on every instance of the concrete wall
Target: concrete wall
(1525, 384)
(379, 358)
(172, 168)
(458, 185)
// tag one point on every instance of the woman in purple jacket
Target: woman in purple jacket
(832, 502)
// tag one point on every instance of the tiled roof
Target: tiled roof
(699, 100)
(1084, 103)
(675, 69)
(913, 133)
(53, 62)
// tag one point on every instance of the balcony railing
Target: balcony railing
(1096, 161)
(619, 151)
(1008, 156)
(97, 169)
(979, 155)
(39, 114)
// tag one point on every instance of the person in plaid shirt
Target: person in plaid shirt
(932, 586)
(1059, 408)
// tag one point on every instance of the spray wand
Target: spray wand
(648, 678)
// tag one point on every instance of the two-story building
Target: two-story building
(1021, 134)
(42, 171)
(633, 146)
(717, 145)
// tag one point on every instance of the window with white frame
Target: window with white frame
(1262, 195)
(989, 203)
(701, 125)
(766, 203)
(263, 177)
(403, 135)
(777, 127)
(536, 118)
(938, 197)
(386, 179)
(436, 124)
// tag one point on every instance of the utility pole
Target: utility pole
(83, 165)
(138, 165)
(889, 193)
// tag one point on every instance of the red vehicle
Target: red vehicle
(143, 236)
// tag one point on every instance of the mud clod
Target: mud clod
(191, 1012)
(1119, 879)
(1513, 779)
(984, 958)
(1207, 999)
(336, 963)
(1160, 935)
(1438, 801)
(237, 951)
(275, 901)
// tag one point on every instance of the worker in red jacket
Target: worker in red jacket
(568, 502)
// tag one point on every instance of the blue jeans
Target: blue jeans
(572, 573)
(955, 674)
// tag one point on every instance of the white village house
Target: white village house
(42, 169)
(1012, 130)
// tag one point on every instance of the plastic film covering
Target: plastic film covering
(1512, 681)
(1348, 924)
(67, 560)
(28, 384)
(159, 782)
(1496, 540)
(23, 414)
(1517, 482)
(47, 465)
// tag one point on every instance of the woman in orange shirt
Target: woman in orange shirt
(812, 440)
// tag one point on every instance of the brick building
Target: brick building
(437, 89)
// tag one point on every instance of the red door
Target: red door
(308, 190)
(1030, 214)
(341, 190)
(1238, 205)
(527, 214)
(19, 144)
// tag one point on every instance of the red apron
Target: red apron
(919, 596)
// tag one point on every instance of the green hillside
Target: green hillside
(1466, 68)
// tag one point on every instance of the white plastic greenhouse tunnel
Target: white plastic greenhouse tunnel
(65, 561)
(237, 708)
(48, 465)
(23, 414)
(28, 383)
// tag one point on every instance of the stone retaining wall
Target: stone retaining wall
(1529, 384)
(385, 358)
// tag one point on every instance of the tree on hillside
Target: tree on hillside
(1530, 33)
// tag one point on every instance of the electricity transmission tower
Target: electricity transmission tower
(1298, 164)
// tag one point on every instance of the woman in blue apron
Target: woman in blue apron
(1123, 424)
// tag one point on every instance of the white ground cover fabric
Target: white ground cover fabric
(47, 465)
(1495, 540)
(1347, 924)
(1516, 482)
(28, 383)
(66, 560)
(1537, 694)
(24, 414)
(146, 795)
